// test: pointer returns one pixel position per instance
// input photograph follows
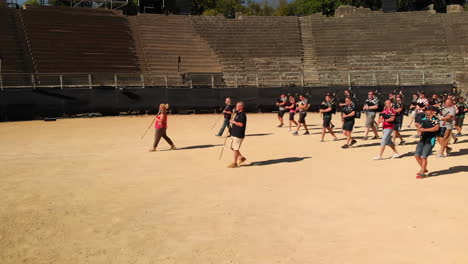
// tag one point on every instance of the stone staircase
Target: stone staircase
(171, 47)
(311, 76)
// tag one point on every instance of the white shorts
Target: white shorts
(236, 143)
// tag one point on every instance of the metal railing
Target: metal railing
(229, 80)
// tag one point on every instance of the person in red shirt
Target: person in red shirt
(161, 127)
(387, 118)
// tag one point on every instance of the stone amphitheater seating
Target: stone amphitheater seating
(75, 40)
(267, 47)
(170, 46)
(13, 51)
(379, 42)
(376, 48)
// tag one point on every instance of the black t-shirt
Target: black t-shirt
(372, 102)
(237, 131)
(228, 108)
(434, 102)
(348, 109)
(427, 122)
(327, 105)
(397, 106)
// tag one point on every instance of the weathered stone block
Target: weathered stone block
(454, 8)
(346, 10)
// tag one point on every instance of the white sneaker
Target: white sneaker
(395, 156)
(377, 158)
(440, 156)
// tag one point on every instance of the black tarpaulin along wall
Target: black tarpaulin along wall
(30, 104)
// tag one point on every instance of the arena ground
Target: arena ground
(88, 191)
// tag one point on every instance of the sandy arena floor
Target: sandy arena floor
(88, 191)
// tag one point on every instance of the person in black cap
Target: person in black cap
(428, 128)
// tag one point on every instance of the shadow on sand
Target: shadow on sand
(258, 135)
(195, 147)
(451, 170)
(276, 161)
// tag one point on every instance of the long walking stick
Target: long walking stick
(224, 145)
(216, 122)
(148, 128)
(225, 139)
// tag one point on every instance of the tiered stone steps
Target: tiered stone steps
(264, 51)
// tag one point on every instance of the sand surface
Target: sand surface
(88, 191)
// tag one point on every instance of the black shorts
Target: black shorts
(459, 121)
(348, 125)
(326, 121)
(398, 123)
(281, 113)
(291, 116)
(302, 116)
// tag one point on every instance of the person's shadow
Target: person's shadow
(459, 153)
(258, 135)
(195, 147)
(276, 161)
(451, 170)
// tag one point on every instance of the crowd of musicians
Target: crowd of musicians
(436, 119)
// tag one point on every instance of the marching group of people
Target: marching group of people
(433, 118)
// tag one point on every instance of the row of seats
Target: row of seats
(380, 42)
(75, 40)
(248, 51)
(255, 50)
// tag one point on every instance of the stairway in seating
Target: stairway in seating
(16, 60)
(171, 47)
(310, 71)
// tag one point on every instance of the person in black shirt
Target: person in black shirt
(302, 107)
(342, 104)
(435, 101)
(239, 123)
(281, 103)
(371, 106)
(398, 106)
(326, 108)
(227, 112)
(348, 115)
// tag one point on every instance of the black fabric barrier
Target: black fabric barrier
(28, 104)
